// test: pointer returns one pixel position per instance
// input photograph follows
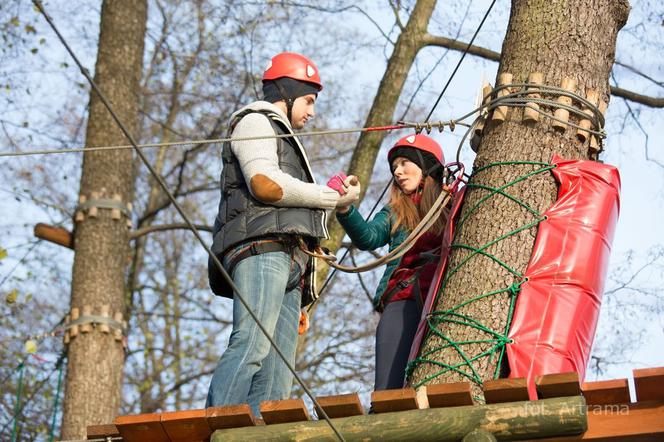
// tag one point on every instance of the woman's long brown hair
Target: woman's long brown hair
(408, 214)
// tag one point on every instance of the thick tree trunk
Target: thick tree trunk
(560, 38)
(95, 359)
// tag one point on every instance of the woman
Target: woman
(416, 162)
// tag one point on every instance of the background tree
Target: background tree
(95, 360)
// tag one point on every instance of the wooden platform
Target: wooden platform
(611, 416)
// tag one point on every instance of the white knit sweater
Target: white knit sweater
(260, 165)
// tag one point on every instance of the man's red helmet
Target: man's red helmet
(292, 65)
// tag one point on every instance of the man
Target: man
(269, 202)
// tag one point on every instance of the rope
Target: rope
(184, 216)
(496, 338)
(32, 395)
(401, 125)
(17, 407)
(57, 397)
(424, 225)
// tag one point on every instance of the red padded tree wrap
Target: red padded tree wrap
(556, 312)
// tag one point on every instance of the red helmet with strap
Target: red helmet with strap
(420, 142)
(292, 65)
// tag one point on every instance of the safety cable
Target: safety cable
(185, 218)
(518, 98)
(208, 141)
(465, 52)
(449, 80)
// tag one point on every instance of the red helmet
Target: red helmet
(292, 65)
(420, 142)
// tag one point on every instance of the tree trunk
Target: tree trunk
(95, 359)
(561, 39)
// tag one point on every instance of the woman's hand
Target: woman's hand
(352, 188)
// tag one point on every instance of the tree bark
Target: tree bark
(95, 359)
(511, 421)
(574, 39)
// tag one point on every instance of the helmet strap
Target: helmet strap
(289, 102)
(422, 163)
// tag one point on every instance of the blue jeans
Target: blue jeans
(250, 371)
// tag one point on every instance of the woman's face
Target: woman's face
(407, 174)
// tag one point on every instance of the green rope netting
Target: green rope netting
(496, 338)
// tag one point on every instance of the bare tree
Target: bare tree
(95, 359)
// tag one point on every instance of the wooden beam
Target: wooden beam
(505, 390)
(229, 416)
(186, 426)
(640, 422)
(615, 391)
(341, 405)
(141, 428)
(102, 431)
(558, 385)
(514, 420)
(384, 401)
(649, 384)
(56, 235)
(279, 412)
(454, 394)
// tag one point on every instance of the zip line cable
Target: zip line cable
(373, 209)
(186, 219)
(207, 141)
(465, 52)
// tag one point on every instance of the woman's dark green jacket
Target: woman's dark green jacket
(369, 235)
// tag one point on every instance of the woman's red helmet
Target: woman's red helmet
(295, 66)
(421, 150)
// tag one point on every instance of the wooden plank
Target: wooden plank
(341, 405)
(230, 416)
(102, 431)
(186, 426)
(454, 394)
(649, 384)
(505, 390)
(640, 422)
(385, 401)
(558, 385)
(141, 428)
(615, 391)
(510, 421)
(287, 410)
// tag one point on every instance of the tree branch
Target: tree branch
(435, 40)
(161, 227)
